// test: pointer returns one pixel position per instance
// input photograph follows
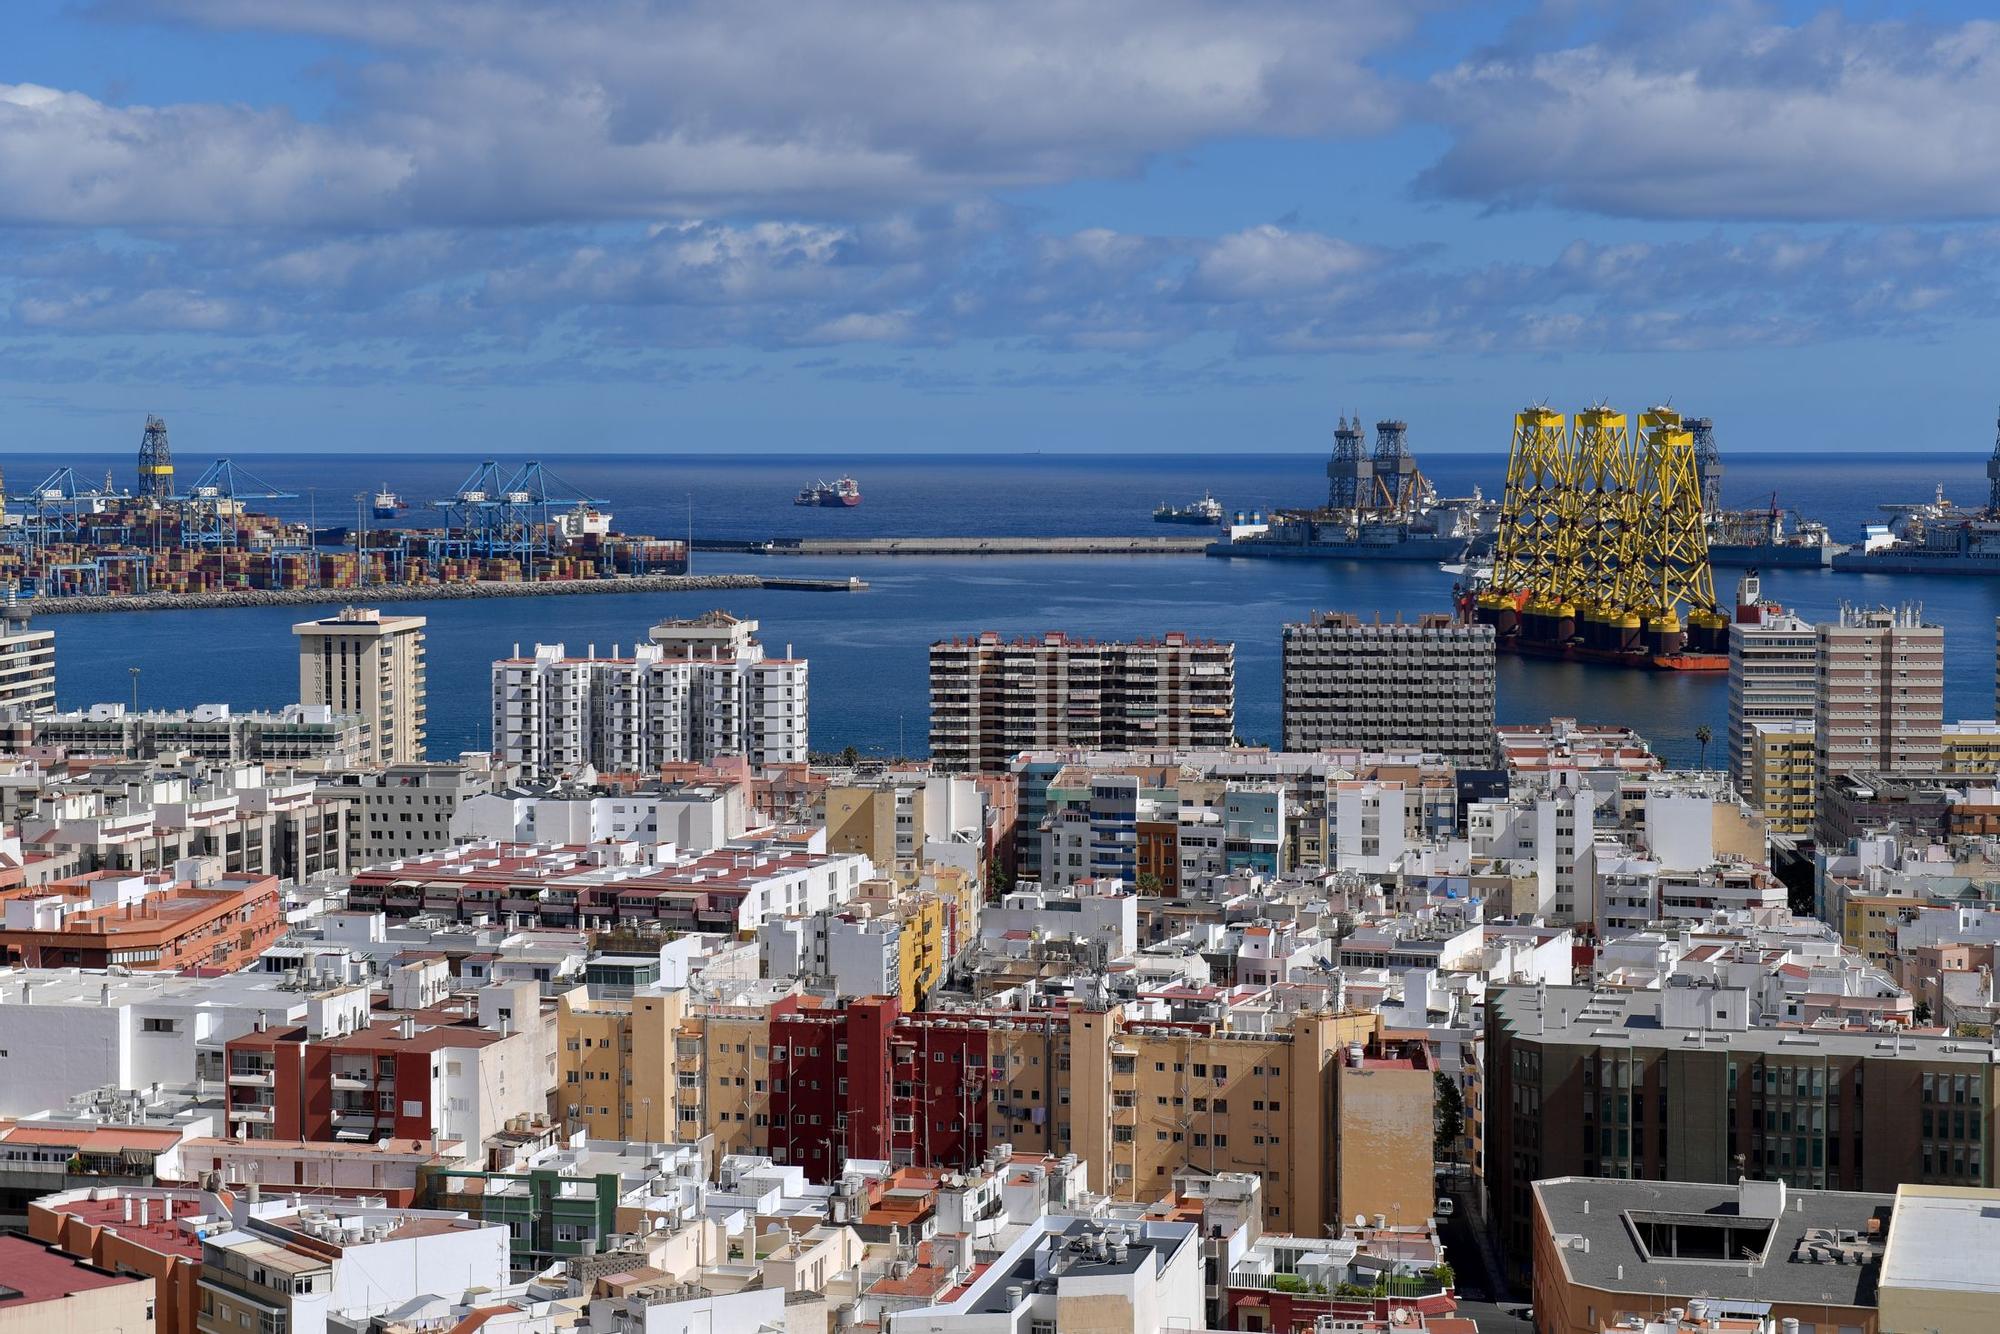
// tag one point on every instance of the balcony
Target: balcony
(260, 1078)
(252, 1113)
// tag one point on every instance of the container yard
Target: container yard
(64, 538)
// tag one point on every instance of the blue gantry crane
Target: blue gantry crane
(493, 515)
(211, 505)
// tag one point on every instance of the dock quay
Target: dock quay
(961, 546)
(304, 597)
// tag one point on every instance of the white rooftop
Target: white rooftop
(1943, 1238)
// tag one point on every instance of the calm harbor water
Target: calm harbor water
(868, 650)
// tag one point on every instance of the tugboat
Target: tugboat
(842, 493)
(1207, 510)
(388, 504)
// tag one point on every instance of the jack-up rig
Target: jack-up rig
(1602, 552)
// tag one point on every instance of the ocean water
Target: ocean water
(869, 650)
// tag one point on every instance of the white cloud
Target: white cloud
(1829, 120)
(519, 111)
(67, 158)
(1269, 261)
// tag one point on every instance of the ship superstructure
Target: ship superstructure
(1379, 506)
(1935, 536)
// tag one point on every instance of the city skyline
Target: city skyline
(627, 227)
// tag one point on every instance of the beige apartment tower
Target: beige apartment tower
(1879, 693)
(362, 662)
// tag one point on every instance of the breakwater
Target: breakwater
(963, 546)
(307, 597)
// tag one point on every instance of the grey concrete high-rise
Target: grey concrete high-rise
(992, 698)
(1427, 684)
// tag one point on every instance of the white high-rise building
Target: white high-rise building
(701, 688)
(1773, 674)
(27, 664)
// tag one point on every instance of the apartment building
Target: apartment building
(1135, 1101)
(698, 690)
(42, 1290)
(141, 816)
(1612, 1254)
(362, 662)
(1773, 676)
(404, 810)
(1878, 697)
(141, 922)
(1678, 1085)
(27, 664)
(1972, 747)
(147, 1232)
(615, 1063)
(900, 820)
(301, 734)
(1427, 685)
(729, 889)
(992, 698)
(318, 1267)
(1780, 780)
(438, 1073)
(1547, 836)
(899, 952)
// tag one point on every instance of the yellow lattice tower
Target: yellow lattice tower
(1537, 471)
(1674, 574)
(1604, 467)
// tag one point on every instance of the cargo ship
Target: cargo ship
(388, 504)
(841, 493)
(1379, 506)
(1932, 537)
(1206, 511)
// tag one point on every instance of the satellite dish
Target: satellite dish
(1361, 1220)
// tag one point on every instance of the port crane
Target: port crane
(212, 504)
(495, 515)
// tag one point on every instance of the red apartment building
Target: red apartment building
(390, 1080)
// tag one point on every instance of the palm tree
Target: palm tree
(1703, 736)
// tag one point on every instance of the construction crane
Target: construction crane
(212, 505)
(156, 462)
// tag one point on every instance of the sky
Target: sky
(709, 226)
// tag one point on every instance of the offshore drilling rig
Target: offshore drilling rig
(1602, 554)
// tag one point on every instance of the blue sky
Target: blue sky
(566, 225)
